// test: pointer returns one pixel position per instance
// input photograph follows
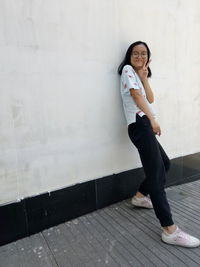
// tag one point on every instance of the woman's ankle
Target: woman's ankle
(170, 229)
(139, 195)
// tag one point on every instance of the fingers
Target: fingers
(148, 63)
(144, 65)
(159, 132)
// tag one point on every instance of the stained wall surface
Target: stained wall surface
(61, 116)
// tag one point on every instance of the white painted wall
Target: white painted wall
(61, 117)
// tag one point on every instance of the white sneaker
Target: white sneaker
(143, 202)
(180, 238)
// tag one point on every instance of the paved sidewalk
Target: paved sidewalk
(118, 235)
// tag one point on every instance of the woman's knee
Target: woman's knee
(167, 164)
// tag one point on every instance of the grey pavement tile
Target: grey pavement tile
(117, 235)
(28, 252)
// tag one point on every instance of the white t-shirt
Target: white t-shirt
(131, 80)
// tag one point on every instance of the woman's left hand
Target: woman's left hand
(143, 72)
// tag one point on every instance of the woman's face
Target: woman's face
(139, 56)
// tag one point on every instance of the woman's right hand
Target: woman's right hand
(156, 127)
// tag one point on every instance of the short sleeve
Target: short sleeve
(129, 79)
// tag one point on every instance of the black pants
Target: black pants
(155, 163)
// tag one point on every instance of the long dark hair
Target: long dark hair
(127, 59)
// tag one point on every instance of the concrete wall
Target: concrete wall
(61, 117)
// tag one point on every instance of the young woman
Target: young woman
(137, 97)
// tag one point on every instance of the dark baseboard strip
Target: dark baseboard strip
(34, 214)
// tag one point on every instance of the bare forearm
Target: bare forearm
(148, 90)
(142, 104)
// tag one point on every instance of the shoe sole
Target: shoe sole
(140, 206)
(185, 246)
